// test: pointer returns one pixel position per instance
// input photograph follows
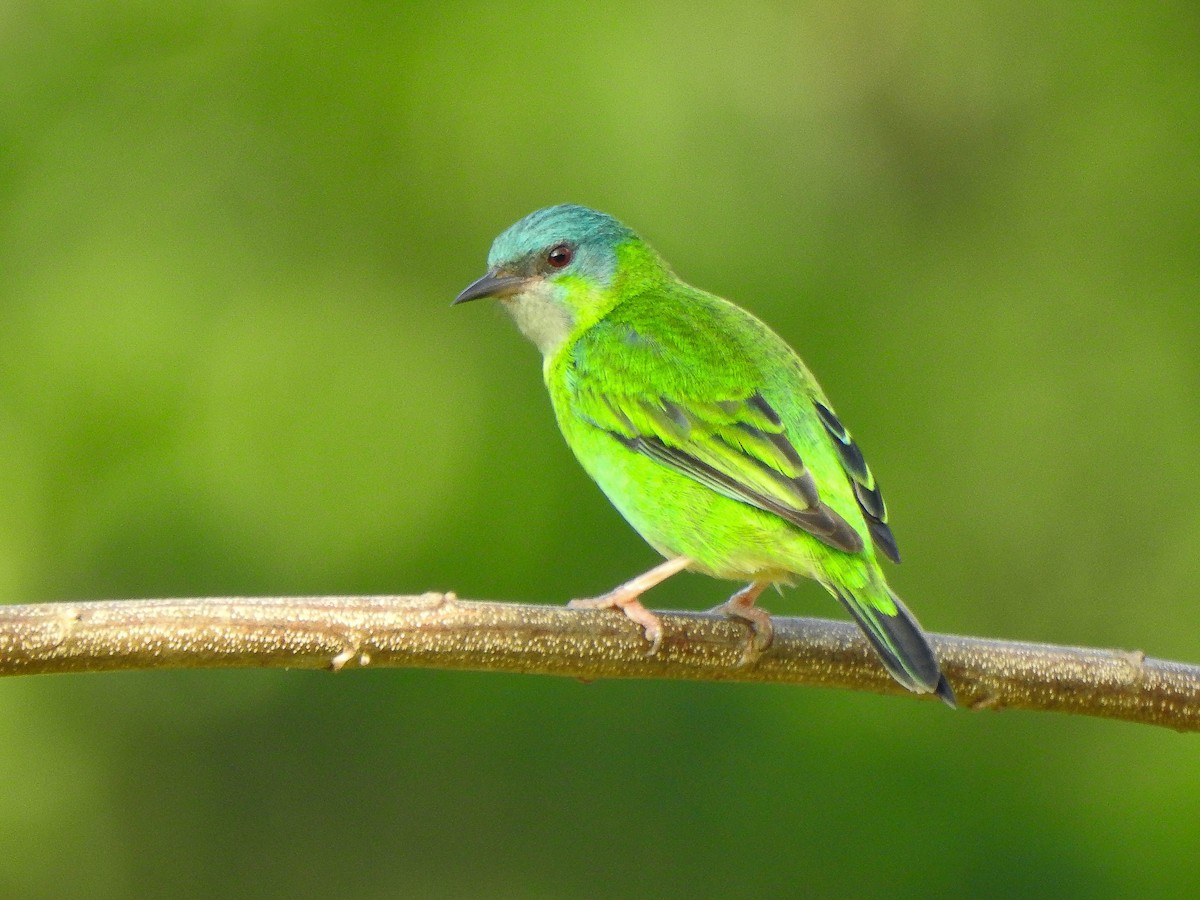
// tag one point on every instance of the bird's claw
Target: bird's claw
(762, 630)
(762, 634)
(625, 598)
(654, 634)
(632, 607)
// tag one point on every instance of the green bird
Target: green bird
(704, 429)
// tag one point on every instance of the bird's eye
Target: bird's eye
(560, 256)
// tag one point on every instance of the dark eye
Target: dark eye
(560, 257)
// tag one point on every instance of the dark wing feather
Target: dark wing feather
(866, 491)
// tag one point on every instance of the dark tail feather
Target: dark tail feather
(900, 643)
(946, 692)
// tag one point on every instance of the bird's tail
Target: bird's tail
(897, 638)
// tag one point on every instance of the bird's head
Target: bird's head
(558, 270)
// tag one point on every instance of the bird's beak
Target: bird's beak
(492, 284)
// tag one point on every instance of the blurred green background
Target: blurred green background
(229, 235)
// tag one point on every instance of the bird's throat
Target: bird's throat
(541, 318)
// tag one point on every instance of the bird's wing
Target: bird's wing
(716, 430)
(866, 491)
(735, 446)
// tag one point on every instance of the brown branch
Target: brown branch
(441, 631)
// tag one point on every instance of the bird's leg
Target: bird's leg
(625, 598)
(741, 606)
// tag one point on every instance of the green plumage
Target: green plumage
(703, 428)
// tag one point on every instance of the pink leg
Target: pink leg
(741, 606)
(625, 598)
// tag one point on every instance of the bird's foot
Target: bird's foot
(625, 598)
(633, 608)
(762, 631)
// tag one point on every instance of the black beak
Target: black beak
(491, 285)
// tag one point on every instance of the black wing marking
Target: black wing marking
(866, 491)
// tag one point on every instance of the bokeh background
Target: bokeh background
(229, 235)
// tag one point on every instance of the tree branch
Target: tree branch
(441, 631)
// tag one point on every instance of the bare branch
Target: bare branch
(441, 631)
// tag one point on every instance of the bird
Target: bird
(704, 429)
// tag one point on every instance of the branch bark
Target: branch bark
(440, 631)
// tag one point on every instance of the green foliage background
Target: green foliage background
(229, 235)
